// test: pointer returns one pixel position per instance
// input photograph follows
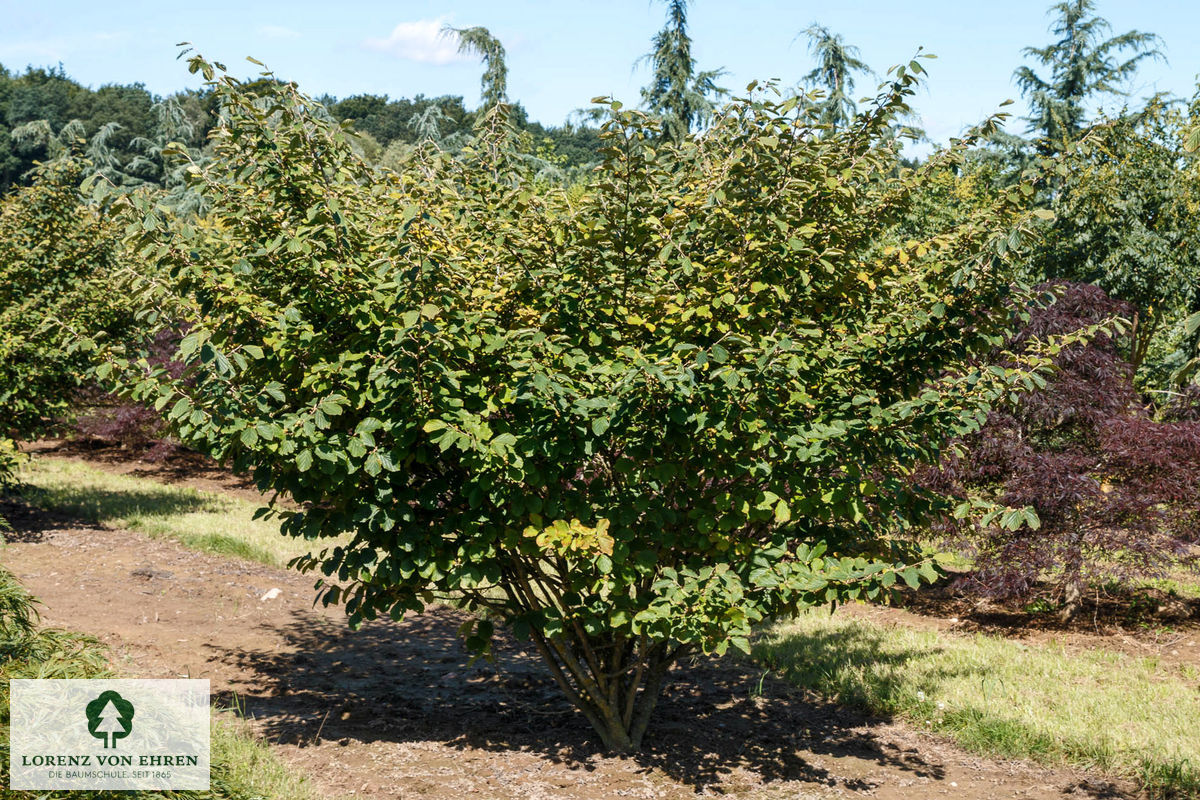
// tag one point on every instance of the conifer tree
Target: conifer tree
(479, 41)
(836, 64)
(680, 96)
(1082, 63)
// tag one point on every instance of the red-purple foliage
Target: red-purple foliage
(135, 427)
(1117, 491)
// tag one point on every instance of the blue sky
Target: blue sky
(563, 53)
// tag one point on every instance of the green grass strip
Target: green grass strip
(207, 521)
(1095, 709)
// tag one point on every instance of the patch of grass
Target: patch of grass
(207, 521)
(1185, 585)
(1169, 780)
(243, 768)
(1094, 709)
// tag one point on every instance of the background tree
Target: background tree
(394, 121)
(679, 95)
(171, 125)
(1082, 64)
(1125, 220)
(57, 255)
(836, 64)
(1116, 493)
(479, 41)
(40, 110)
(127, 127)
(427, 126)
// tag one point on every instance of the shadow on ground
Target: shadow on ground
(412, 681)
(34, 513)
(306, 678)
(30, 524)
(1103, 609)
(170, 464)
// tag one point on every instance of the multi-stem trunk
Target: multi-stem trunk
(614, 681)
(614, 678)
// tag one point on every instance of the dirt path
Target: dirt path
(393, 711)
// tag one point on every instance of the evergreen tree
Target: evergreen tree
(155, 163)
(680, 96)
(1082, 64)
(427, 126)
(479, 41)
(836, 64)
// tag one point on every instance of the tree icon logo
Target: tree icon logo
(110, 717)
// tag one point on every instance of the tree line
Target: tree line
(44, 111)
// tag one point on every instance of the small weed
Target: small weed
(758, 690)
(1041, 606)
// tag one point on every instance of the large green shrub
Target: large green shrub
(56, 256)
(628, 425)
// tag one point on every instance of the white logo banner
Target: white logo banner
(109, 734)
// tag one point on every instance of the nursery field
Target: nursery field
(749, 442)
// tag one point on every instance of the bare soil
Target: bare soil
(396, 710)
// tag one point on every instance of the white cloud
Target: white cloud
(419, 41)
(278, 32)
